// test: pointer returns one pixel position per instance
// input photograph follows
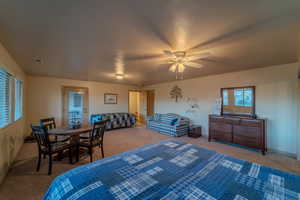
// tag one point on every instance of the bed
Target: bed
(173, 170)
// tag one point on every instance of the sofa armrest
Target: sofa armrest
(95, 118)
(132, 117)
(182, 122)
(150, 118)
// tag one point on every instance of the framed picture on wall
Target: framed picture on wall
(110, 98)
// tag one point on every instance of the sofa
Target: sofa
(169, 124)
(115, 120)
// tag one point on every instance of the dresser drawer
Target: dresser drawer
(222, 127)
(246, 131)
(247, 141)
(247, 135)
(220, 135)
(251, 123)
(216, 119)
(232, 120)
(220, 131)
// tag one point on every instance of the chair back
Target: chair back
(49, 123)
(97, 134)
(41, 135)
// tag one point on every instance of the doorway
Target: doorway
(150, 102)
(134, 104)
(141, 104)
(75, 105)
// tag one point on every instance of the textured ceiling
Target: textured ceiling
(94, 39)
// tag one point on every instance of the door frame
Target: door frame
(85, 108)
(298, 119)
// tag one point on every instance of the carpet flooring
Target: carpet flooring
(23, 182)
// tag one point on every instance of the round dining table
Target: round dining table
(74, 134)
(66, 131)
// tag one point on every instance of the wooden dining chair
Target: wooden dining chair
(94, 139)
(49, 123)
(47, 148)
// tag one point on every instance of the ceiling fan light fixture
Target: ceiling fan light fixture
(180, 60)
(173, 68)
(181, 68)
(120, 76)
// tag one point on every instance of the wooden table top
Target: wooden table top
(69, 131)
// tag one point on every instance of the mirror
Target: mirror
(238, 101)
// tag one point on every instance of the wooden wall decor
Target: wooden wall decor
(176, 93)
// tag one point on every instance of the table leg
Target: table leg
(75, 139)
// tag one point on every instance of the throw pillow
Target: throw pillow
(174, 121)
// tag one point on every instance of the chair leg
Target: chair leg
(91, 154)
(70, 155)
(60, 155)
(102, 152)
(50, 164)
(39, 162)
(77, 153)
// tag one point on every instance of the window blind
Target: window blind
(5, 95)
(18, 99)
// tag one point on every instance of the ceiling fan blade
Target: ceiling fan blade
(143, 57)
(222, 61)
(181, 68)
(168, 53)
(173, 68)
(193, 64)
(199, 56)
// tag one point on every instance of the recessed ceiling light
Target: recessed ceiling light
(120, 76)
(38, 60)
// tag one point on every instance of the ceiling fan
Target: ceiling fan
(180, 60)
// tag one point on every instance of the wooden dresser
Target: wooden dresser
(243, 131)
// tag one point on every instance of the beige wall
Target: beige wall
(276, 100)
(45, 97)
(298, 138)
(298, 135)
(11, 136)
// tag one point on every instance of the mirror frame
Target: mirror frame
(251, 115)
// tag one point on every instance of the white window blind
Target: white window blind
(18, 99)
(5, 97)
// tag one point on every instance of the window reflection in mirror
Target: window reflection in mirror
(238, 101)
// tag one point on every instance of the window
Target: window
(6, 82)
(225, 97)
(77, 100)
(75, 107)
(243, 97)
(11, 103)
(18, 99)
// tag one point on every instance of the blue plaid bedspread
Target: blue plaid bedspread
(173, 170)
